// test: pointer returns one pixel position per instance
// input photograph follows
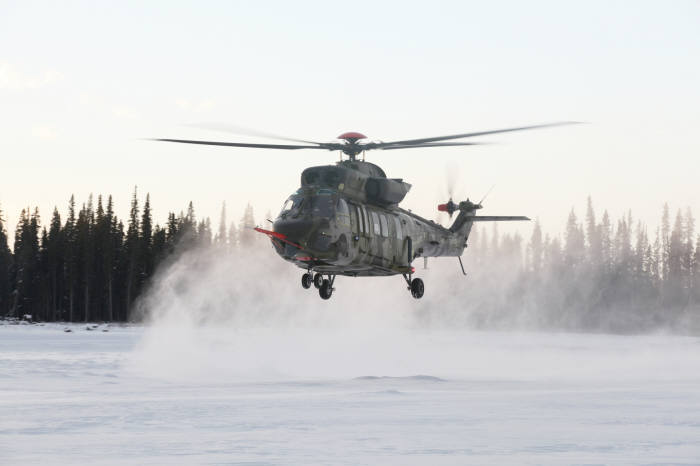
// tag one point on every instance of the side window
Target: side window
(342, 212)
(353, 221)
(385, 226)
(361, 219)
(397, 222)
(343, 207)
(375, 222)
(368, 225)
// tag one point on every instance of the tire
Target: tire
(325, 292)
(306, 281)
(318, 280)
(417, 288)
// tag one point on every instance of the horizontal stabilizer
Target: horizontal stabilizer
(497, 218)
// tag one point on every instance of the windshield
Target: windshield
(293, 203)
(322, 205)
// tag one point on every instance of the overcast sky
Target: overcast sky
(81, 83)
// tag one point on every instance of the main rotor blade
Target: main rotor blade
(243, 131)
(436, 144)
(381, 145)
(244, 144)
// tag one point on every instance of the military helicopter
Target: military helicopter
(345, 218)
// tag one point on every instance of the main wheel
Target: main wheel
(417, 288)
(318, 280)
(306, 281)
(326, 291)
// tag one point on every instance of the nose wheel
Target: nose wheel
(324, 285)
(306, 280)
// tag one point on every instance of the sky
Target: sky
(83, 84)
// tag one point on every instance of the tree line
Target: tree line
(91, 266)
(599, 275)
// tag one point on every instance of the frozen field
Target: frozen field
(345, 396)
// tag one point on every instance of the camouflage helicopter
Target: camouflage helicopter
(345, 218)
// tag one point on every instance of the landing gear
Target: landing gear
(326, 289)
(306, 280)
(318, 280)
(415, 286)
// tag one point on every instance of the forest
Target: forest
(92, 266)
(599, 274)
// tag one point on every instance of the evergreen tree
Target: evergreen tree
(535, 248)
(696, 272)
(6, 265)
(245, 231)
(665, 241)
(574, 241)
(232, 237)
(688, 254)
(593, 240)
(131, 253)
(54, 247)
(70, 259)
(606, 243)
(146, 244)
(84, 227)
(111, 246)
(221, 239)
(27, 275)
(204, 232)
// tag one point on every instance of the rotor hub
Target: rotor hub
(352, 136)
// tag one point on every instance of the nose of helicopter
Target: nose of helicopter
(295, 229)
(305, 233)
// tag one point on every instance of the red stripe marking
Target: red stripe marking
(279, 236)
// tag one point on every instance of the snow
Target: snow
(344, 395)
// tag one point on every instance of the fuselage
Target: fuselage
(343, 220)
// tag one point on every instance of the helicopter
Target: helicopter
(345, 218)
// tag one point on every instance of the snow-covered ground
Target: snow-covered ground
(296, 395)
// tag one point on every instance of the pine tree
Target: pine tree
(696, 271)
(593, 239)
(655, 266)
(536, 250)
(232, 237)
(54, 246)
(26, 257)
(574, 241)
(204, 232)
(606, 243)
(665, 241)
(112, 243)
(159, 246)
(641, 259)
(146, 243)
(221, 239)
(245, 231)
(6, 265)
(131, 253)
(675, 261)
(187, 228)
(688, 240)
(84, 227)
(70, 259)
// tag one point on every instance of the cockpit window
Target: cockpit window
(343, 207)
(322, 205)
(293, 203)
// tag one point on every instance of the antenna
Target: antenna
(487, 193)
